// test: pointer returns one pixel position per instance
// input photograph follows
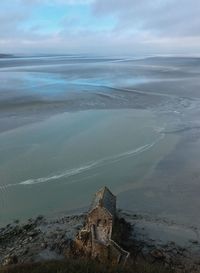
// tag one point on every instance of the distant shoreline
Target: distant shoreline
(2, 56)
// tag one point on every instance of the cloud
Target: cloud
(166, 17)
(100, 26)
(56, 2)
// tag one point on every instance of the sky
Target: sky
(104, 27)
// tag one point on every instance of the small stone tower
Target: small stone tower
(100, 218)
(95, 239)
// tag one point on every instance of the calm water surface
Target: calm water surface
(69, 126)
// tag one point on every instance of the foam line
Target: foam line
(84, 168)
(67, 173)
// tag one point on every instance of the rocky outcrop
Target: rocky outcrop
(42, 239)
(38, 239)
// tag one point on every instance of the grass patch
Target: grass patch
(83, 266)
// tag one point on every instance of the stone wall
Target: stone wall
(101, 221)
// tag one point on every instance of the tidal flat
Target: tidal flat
(70, 125)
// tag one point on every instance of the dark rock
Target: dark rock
(27, 227)
(43, 245)
(195, 242)
(10, 259)
(157, 254)
(33, 233)
(25, 251)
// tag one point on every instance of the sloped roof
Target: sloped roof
(106, 199)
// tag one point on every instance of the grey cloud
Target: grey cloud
(160, 17)
(55, 2)
(141, 27)
(9, 24)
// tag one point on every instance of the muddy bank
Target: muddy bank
(46, 239)
(37, 239)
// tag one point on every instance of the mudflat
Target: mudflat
(71, 125)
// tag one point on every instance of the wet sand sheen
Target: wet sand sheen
(57, 164)
(52, 162)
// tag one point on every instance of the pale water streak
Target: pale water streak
(86, 167)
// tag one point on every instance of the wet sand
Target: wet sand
(119, 107)
(174, 184)
(74, 154)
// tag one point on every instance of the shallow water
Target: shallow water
(69, 126)
(57, 164)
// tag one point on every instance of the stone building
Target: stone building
(95, 239)
(100, 218)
